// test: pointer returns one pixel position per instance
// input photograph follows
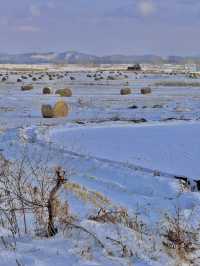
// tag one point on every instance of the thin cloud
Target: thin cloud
(3, 21)
(51, 5)
(35, 11)
(27, 28)
(146, 7)
(101, 27)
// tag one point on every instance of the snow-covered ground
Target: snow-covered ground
(124, 152)
(172, 147)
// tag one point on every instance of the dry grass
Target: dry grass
(119, 215)
(180, 241)
(176, 83)
(96, 198)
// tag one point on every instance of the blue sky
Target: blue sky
(101, 27)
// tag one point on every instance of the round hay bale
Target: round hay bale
(133, 107)
(46, 90)
(146, 90)
(111, 78)
(4, 79)
(60, 109)
(47, 111)
(64, 92)
(19, 80)
(27, 87)
(125, 91)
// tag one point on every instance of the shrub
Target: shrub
(180, 237)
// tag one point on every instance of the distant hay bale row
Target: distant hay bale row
(66, 92)
(127, 91)
(60, 109)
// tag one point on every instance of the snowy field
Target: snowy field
(170, 147)
(124, 154)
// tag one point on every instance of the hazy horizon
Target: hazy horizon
(128, 27)
(99, 55)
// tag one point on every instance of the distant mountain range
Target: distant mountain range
(72, 57)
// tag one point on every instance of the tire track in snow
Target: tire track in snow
(108, 161)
